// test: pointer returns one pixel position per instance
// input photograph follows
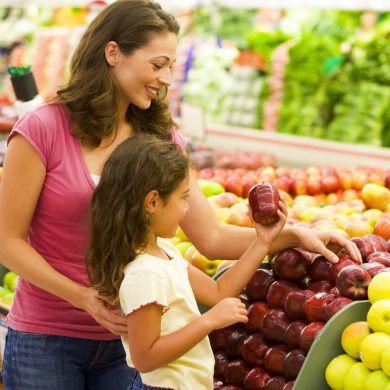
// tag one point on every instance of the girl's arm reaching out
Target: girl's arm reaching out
(149, 350)
(209, 291)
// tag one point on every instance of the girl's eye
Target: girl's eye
(157, 66)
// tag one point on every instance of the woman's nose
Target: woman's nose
(166, 77)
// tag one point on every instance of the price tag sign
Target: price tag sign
(193, 121)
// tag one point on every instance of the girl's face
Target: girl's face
(170, 213)
(143, 73)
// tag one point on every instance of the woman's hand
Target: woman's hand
(267, 234)
(327, 244)
(103, 312)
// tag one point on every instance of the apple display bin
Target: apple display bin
(326, 346)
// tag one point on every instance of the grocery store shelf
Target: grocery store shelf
(372, 5)
(296, 151)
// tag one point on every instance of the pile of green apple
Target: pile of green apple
(7, 291)
(366, 362)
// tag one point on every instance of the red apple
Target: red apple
(218, 339)
(278, 291)
(274, 325)
(333, 307)
(315, 306)
(221, 361)
(256, 379)
(308, 335)
(334, 291)
(382, 227)
(264, 203)
(372, 267)
(293, 333)
(276, 383)
(256, 312)
(330, 184)
(343, 262)
(305, 282)
(380, 257)
(320, 286)
(368, 244)
(217, 384)
(293, 304)
(274, 359)
(257, 287)
(290, 264)
(352, 282)
(314, 186)
(289, 385)
(320, 269)
(243, 298)
(253, 349)
(236, 371)
(233, 184)
(234, 341)
(293, 363)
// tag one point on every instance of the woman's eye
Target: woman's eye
(157, 66)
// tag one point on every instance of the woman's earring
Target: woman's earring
(162, 93)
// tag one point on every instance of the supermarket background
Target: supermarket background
(291, 92)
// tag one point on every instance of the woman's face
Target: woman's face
(143, 73)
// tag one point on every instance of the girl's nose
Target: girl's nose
(166, 77)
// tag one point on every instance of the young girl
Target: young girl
(138, 204)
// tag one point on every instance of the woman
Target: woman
(62, 334)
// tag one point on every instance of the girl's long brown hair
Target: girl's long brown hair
(119, 222)
(91, 94)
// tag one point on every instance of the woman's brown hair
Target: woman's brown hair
(119, 222)
(91, 94)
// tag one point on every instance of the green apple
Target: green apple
(379, 287)
(210, 188)
(371, 349)
(352, 337)
(376, 380)
(180, 234)
(378, 316)
(337, 369)
(183, 246)
(385, 361)
(8, 279)
(355, 376)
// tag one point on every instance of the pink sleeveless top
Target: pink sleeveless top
(59, 228)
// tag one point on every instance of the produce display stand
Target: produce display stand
(327, 346)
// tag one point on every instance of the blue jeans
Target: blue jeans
(138, 385)
(45, 362)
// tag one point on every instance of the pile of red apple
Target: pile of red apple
(288, 305)
(345, 182)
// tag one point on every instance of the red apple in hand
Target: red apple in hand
(293, 363)
(276, 383)
(308, 335)
(343, 262)
(256, 379)
(236, 371)
(315, 305)
(274, 325)
(253, 349)
(293, 332)
(320, 269)
(256, 312)
(264, 203)
(290, 264)
(274, 359)
(293, 304)
(278, 291)
(336, 305)
(352, 282)
(257, 287)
